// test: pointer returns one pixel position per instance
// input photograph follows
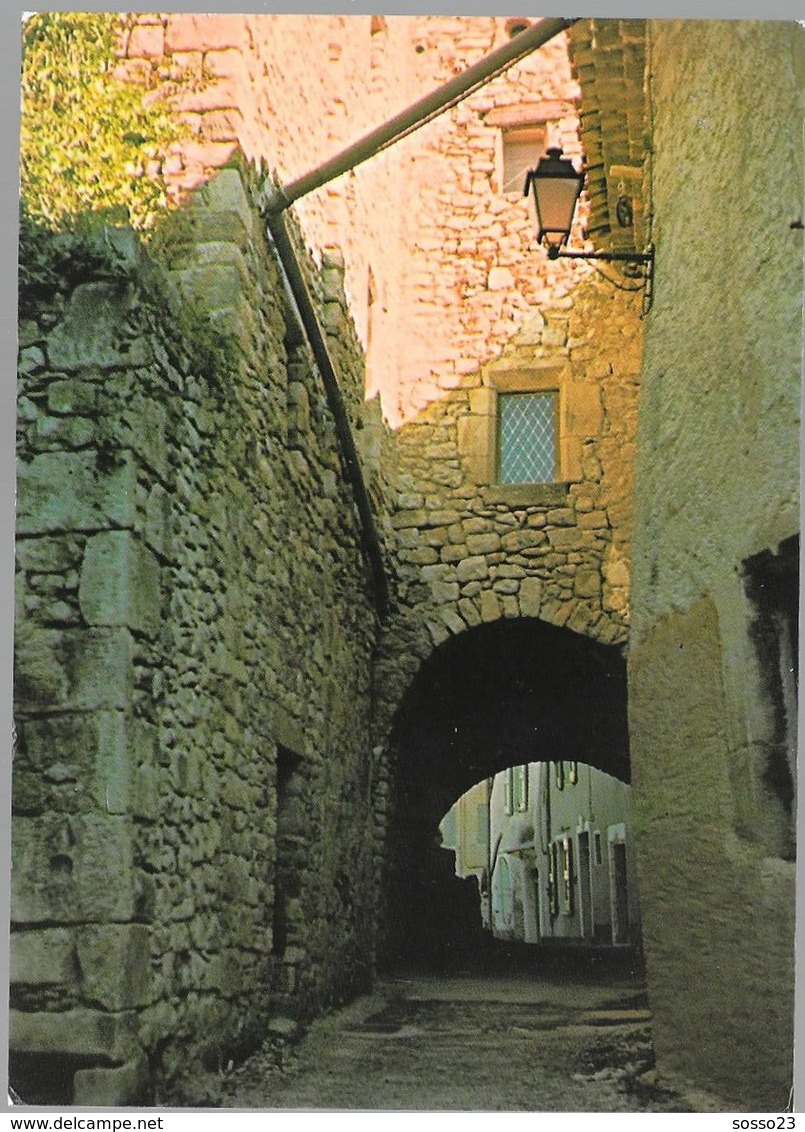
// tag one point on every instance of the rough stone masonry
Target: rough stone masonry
(195, 619)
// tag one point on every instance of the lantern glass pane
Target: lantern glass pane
(556, 201)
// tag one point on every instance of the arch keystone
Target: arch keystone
(490, 606)
(530, 597)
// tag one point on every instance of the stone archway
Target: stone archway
(507, 692)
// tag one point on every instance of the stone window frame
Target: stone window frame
(579, 419)
(536, 118)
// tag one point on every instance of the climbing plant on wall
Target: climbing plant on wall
(91, 142)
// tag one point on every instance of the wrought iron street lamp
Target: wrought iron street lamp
(555, 185)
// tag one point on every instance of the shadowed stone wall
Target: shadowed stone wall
(193, 668)
(711, 723)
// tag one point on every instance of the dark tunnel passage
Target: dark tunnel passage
(510, 692)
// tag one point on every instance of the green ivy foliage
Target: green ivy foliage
(91, 144)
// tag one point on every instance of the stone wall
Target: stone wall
(463, 303)
(202, 780)
(441, 268)
(717, 485)
(195, 630)
(609, 61)
(247, 81)
(470, 550)
(475, 275)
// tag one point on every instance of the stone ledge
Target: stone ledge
(108, 1038)
(530, 113)
(525, 494)
(127, 1084)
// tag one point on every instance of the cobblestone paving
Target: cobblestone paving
(548, 1042)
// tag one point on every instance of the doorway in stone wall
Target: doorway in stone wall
(289, 858)
(620, 893)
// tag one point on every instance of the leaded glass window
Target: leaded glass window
(527, 437)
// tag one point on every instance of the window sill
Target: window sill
(525, 494)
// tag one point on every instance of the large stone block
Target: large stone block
(146, 422)
(100, 665)
(73, 869)
(567, 538)
(76, 670)
(474, 434)
(616, 572)
(31, 359)
(519, 540)
(587, 583)
(127, 1084)
(212, 287)
(189, 32)
(483, 543)
(474, 568)
(571, 451)
(444, 592)
(491, 609)
(403, 520)
(85, 1033)
(115, 963)
(87, 498)
(582, 411)
(51, 739)
(101, 750)
(47, 555)
(89, 335)
(530, 597)
(124, 749)
(72, 396)
(208, 226)
(146, 41)
(120, 583)
(157, 530)
(220, 253)
(43, 958)
(40, 677)
(452, 619)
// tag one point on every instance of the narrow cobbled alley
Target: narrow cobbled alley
(561, 1034)
(407, 507)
